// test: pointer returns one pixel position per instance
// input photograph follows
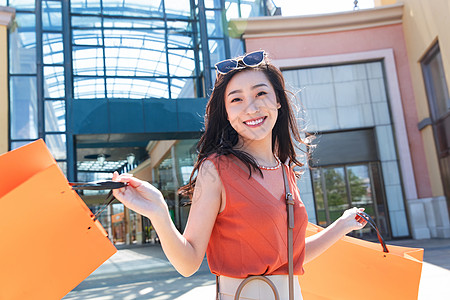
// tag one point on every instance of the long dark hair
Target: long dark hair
(220, 137)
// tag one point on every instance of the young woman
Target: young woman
(238, 212)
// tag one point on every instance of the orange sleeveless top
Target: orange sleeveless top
(249, 236)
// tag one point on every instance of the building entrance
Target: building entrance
(339, 187)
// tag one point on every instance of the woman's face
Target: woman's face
(251, 105)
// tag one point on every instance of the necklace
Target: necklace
(271, 168)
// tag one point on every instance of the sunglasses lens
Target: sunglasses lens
(226, 66)
(253, 59)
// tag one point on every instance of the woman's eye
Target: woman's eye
(235, 100)
(261, 93)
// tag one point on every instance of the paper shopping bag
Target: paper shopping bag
(357, 269)
(50, 242)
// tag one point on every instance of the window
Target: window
(439, 104)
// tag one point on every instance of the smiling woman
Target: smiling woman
(238, 217)
(252, 107)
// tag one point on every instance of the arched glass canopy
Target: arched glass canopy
(133, 49)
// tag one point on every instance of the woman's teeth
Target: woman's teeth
(254, 122)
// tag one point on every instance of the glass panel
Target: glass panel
(138, 23)
(86, 22)
(55, 116)
(362, 196)
(56, 143)
(186, 155)
(212, 3)
(336, 192)
(63, 166)
(22, 4)
(319, 199)
(180, 26)
(179, 40)
(349, 72)
(54, 82)
(360, 187)
(85, 7)
(23, 108)
(377, 90)
(131, 53)
(52, 48)
(137, 88)
(135, 62)
(213, 75)
(232, 9)
(382, 215)
(247, 10)
(375, 70)
(216, 51)
(118, 223)
(85, 87)
(251, 8)
(183, 88)
(439, 86)
(355, 116)
(134, 8)
(3, 2)
(87, 37)
(236, 47)
(181, 63)
(51, 15)
(87, 61)
(15, 145)
(177, 8)
(22, 45)
(352, 93)
(214, 23)
(320, 75)
(319, 96)
(164, 180)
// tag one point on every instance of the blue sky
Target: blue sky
(308, 7)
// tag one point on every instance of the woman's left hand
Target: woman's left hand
(350, 221)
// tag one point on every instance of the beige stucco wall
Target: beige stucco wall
(6, 16)
(424, 23)
(3, 91)
(384, 2)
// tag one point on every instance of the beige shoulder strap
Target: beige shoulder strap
(290, 227)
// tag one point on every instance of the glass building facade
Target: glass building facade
(356, 161)
(101, 78)
(65, 51)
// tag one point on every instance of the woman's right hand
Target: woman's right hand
(140, 196)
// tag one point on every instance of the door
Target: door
(339, 187)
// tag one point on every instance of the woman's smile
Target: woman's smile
(255, 122)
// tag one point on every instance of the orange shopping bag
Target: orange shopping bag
(357, 269)
(50, 241)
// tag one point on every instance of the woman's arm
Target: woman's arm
(185, 252)
(321, 241)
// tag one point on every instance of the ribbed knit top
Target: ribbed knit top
(250, 235)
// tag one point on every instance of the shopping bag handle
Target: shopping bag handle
(372, 223)
(100, 185)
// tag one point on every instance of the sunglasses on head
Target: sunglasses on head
(252, 59)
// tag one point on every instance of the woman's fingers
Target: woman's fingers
(127, 178)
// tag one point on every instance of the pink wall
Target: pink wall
(376, 38)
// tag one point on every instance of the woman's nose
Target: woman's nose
(252, 107)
